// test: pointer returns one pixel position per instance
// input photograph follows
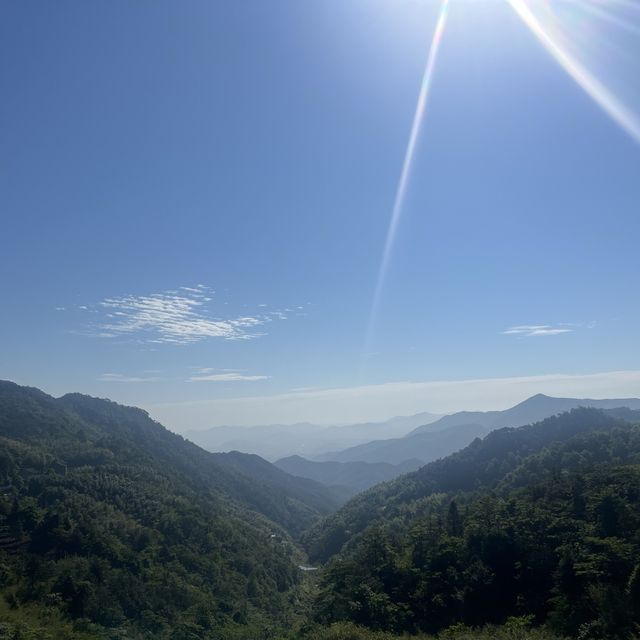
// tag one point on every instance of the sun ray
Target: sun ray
(589, 83)
(606, 16)
(401, 191)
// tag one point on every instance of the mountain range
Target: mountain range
(305, 439)
(356, 476)
(452, 432)
(365, 465)
(113, 527)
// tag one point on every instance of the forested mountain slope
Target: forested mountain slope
(482, 464)
(112, 527)
(294, 504)
(540, 525)
(356, 476)
(109, 521)
(313, 496)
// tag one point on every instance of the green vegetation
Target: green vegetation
(513, 629)
(113, 528)
(110, 522)
(479, 466)
(554, 535)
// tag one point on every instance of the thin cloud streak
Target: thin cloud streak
(120, 377)
(234, 376)
(531, 330)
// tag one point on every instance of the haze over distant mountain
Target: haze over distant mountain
(450, 433)
(305, 439)
(533, 409)
(422, 446)
(358, 476)
(312, 495)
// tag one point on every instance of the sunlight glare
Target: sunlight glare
(548, 31)
(418, 119)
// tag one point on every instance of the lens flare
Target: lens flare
(401, 191)
(589, 39)
(602, 14)
(550, 35)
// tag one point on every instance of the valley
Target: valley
(113, 527)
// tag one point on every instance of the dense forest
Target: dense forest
(112, 527)
(522, 524)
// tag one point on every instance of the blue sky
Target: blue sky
(195, 200)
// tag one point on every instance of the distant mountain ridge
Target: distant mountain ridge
(422, 446)
(357, 476)
(276, 441)
(453, 432)
(531, 410)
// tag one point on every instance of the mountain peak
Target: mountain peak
(536, 401)
(538, 397)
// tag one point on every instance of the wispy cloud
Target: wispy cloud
(179, 316)
(121, 377)
(226, 376)
(529, 330)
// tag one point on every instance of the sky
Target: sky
(196, 204)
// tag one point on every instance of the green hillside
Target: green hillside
(478, 466)
(114, 528)
(111, 521)
(541, 522)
